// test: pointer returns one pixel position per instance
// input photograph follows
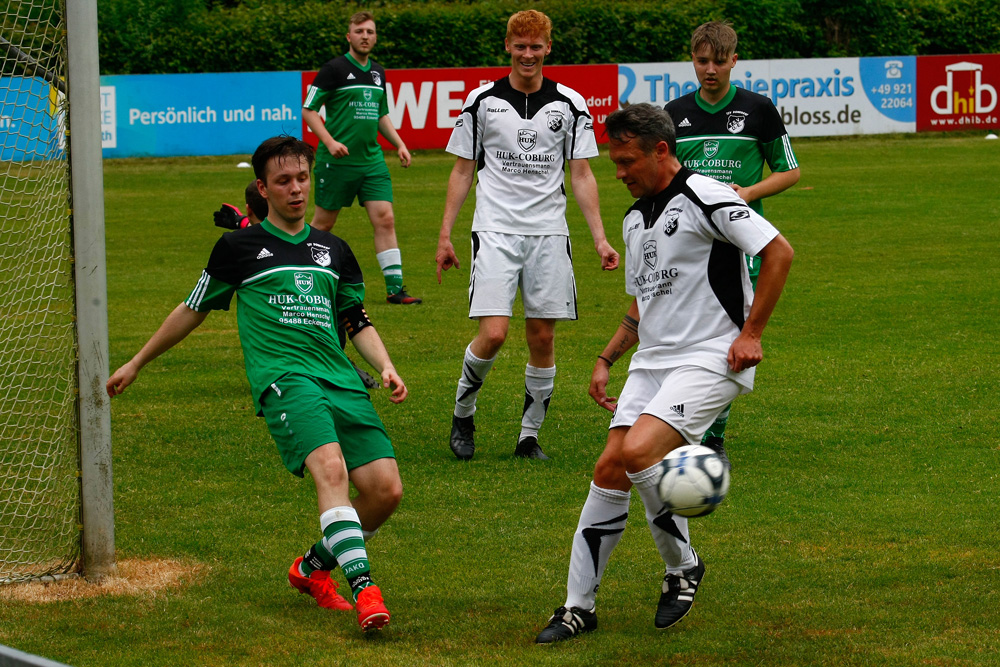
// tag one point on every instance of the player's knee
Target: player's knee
(331, 474)
(490, 342)
(609, 473)
(542, 343)
(634, 452)
(391, 494)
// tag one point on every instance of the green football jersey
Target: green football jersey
(732, 140)
(291, 292)
(355, 100)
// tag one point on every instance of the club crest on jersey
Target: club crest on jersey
(670, 220)
(555, 120)
(320, 254)
(377, 78)
(649, 254)
(303, 281)
(736, 121)
(526, 139)
(711, 148)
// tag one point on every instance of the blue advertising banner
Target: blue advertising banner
(816, 97)
(197, 114)
(31, 124)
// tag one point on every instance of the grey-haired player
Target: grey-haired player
(698, 327)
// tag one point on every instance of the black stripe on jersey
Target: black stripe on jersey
(725, 264)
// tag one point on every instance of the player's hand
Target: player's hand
(739, 190)
(404, 157)
(609, 256)
(391, 380)
(745, 352)
(230, 217)
(598, 387)
(337, 149)
(121, 378)
(445, 258)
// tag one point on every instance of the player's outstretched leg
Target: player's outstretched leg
(602, 522)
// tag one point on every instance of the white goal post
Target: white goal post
(56, 508)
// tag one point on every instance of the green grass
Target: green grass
(860, 528)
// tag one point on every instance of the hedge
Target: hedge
(166, 36)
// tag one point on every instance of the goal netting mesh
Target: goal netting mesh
(39, 484)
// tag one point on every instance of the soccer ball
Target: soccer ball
(693, 480)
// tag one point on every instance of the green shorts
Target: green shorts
(304, 413)
(337, 185)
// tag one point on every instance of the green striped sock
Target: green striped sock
(343, 538)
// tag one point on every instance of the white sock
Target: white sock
(389, 258)
(538, 386)
(602, 522)
(474, 372)
(670, 531)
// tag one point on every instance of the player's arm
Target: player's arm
(777, 181)
(459, 185)
(388, 130)
(368, 343)
(776, 259)
(626, 336)
(315, 123)
(179, 323)
(584, 186)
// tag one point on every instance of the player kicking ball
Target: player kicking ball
(295, 284)
(698, 326)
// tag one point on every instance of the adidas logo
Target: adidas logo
(684, 123)
(264, 253)
(351, 76)
(677, 409)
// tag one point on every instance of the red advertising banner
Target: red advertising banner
(424, 103)
(958, 92)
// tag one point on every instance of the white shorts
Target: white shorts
(688, 398)
(542, 266)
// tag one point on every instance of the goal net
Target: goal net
(39, 478)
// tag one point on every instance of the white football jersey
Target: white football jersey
(521, 143)
(684, 265)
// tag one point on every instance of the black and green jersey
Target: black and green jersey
(355, 99)
(290, 291)
(730, 141)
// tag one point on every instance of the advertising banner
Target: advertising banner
(815, 97)
(425, 103)
(958, 92)
(31, 124)
(196, 114)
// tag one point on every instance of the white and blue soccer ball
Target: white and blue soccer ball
(693, 480)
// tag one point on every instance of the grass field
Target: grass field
(861, 527)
